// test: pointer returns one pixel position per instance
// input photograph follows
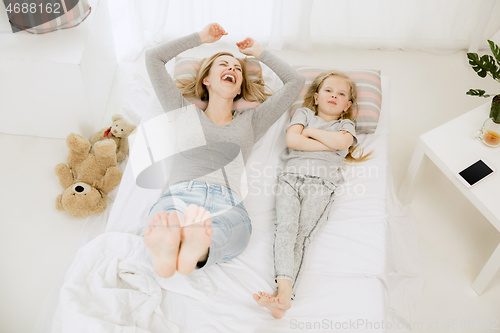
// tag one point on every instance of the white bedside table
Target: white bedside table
(452, 147)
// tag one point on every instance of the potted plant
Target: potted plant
(486, 65)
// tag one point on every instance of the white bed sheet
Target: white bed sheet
(362, 269)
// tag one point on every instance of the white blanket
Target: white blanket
(112, 287)
(362, 270)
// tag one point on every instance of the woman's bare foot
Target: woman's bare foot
(276, 303)
(196, 237)
(162, 238)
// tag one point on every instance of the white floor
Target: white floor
(426, 91)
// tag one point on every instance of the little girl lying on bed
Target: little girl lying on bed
(319, 137)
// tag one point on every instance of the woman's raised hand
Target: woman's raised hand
(212, 33)
(250, 47)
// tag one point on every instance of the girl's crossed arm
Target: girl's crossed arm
(333, 140)
(295, 139)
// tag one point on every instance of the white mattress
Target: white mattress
(362, 269)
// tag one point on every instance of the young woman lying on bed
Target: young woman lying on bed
(200, 220)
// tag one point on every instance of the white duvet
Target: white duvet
(362, 270)
(111, 287)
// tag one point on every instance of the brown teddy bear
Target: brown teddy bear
(88, 177)
(119, 132)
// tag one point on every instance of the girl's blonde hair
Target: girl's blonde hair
(309, 103)
(253, 88)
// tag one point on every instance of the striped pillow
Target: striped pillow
(47, 16)
(187, 67)
(369, 97)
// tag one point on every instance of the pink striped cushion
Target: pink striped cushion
(369, 97)
(186, 67)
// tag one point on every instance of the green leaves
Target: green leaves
(478, 93)
(495, 50)
(483, 65)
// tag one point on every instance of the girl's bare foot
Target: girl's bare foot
(275, 302)
(283, 299)
(162, 238)
(196, 237)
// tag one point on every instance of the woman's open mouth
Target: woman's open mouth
(229, 78)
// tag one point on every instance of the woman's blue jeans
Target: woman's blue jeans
(230, 222)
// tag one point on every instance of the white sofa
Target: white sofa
(69, 72)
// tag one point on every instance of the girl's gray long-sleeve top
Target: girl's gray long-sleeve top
(209, 152)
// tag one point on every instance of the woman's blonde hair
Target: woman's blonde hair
(309, 103)
(253, 88)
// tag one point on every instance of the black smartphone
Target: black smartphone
(475, 173)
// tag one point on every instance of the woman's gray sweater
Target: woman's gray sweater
(221, 159)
